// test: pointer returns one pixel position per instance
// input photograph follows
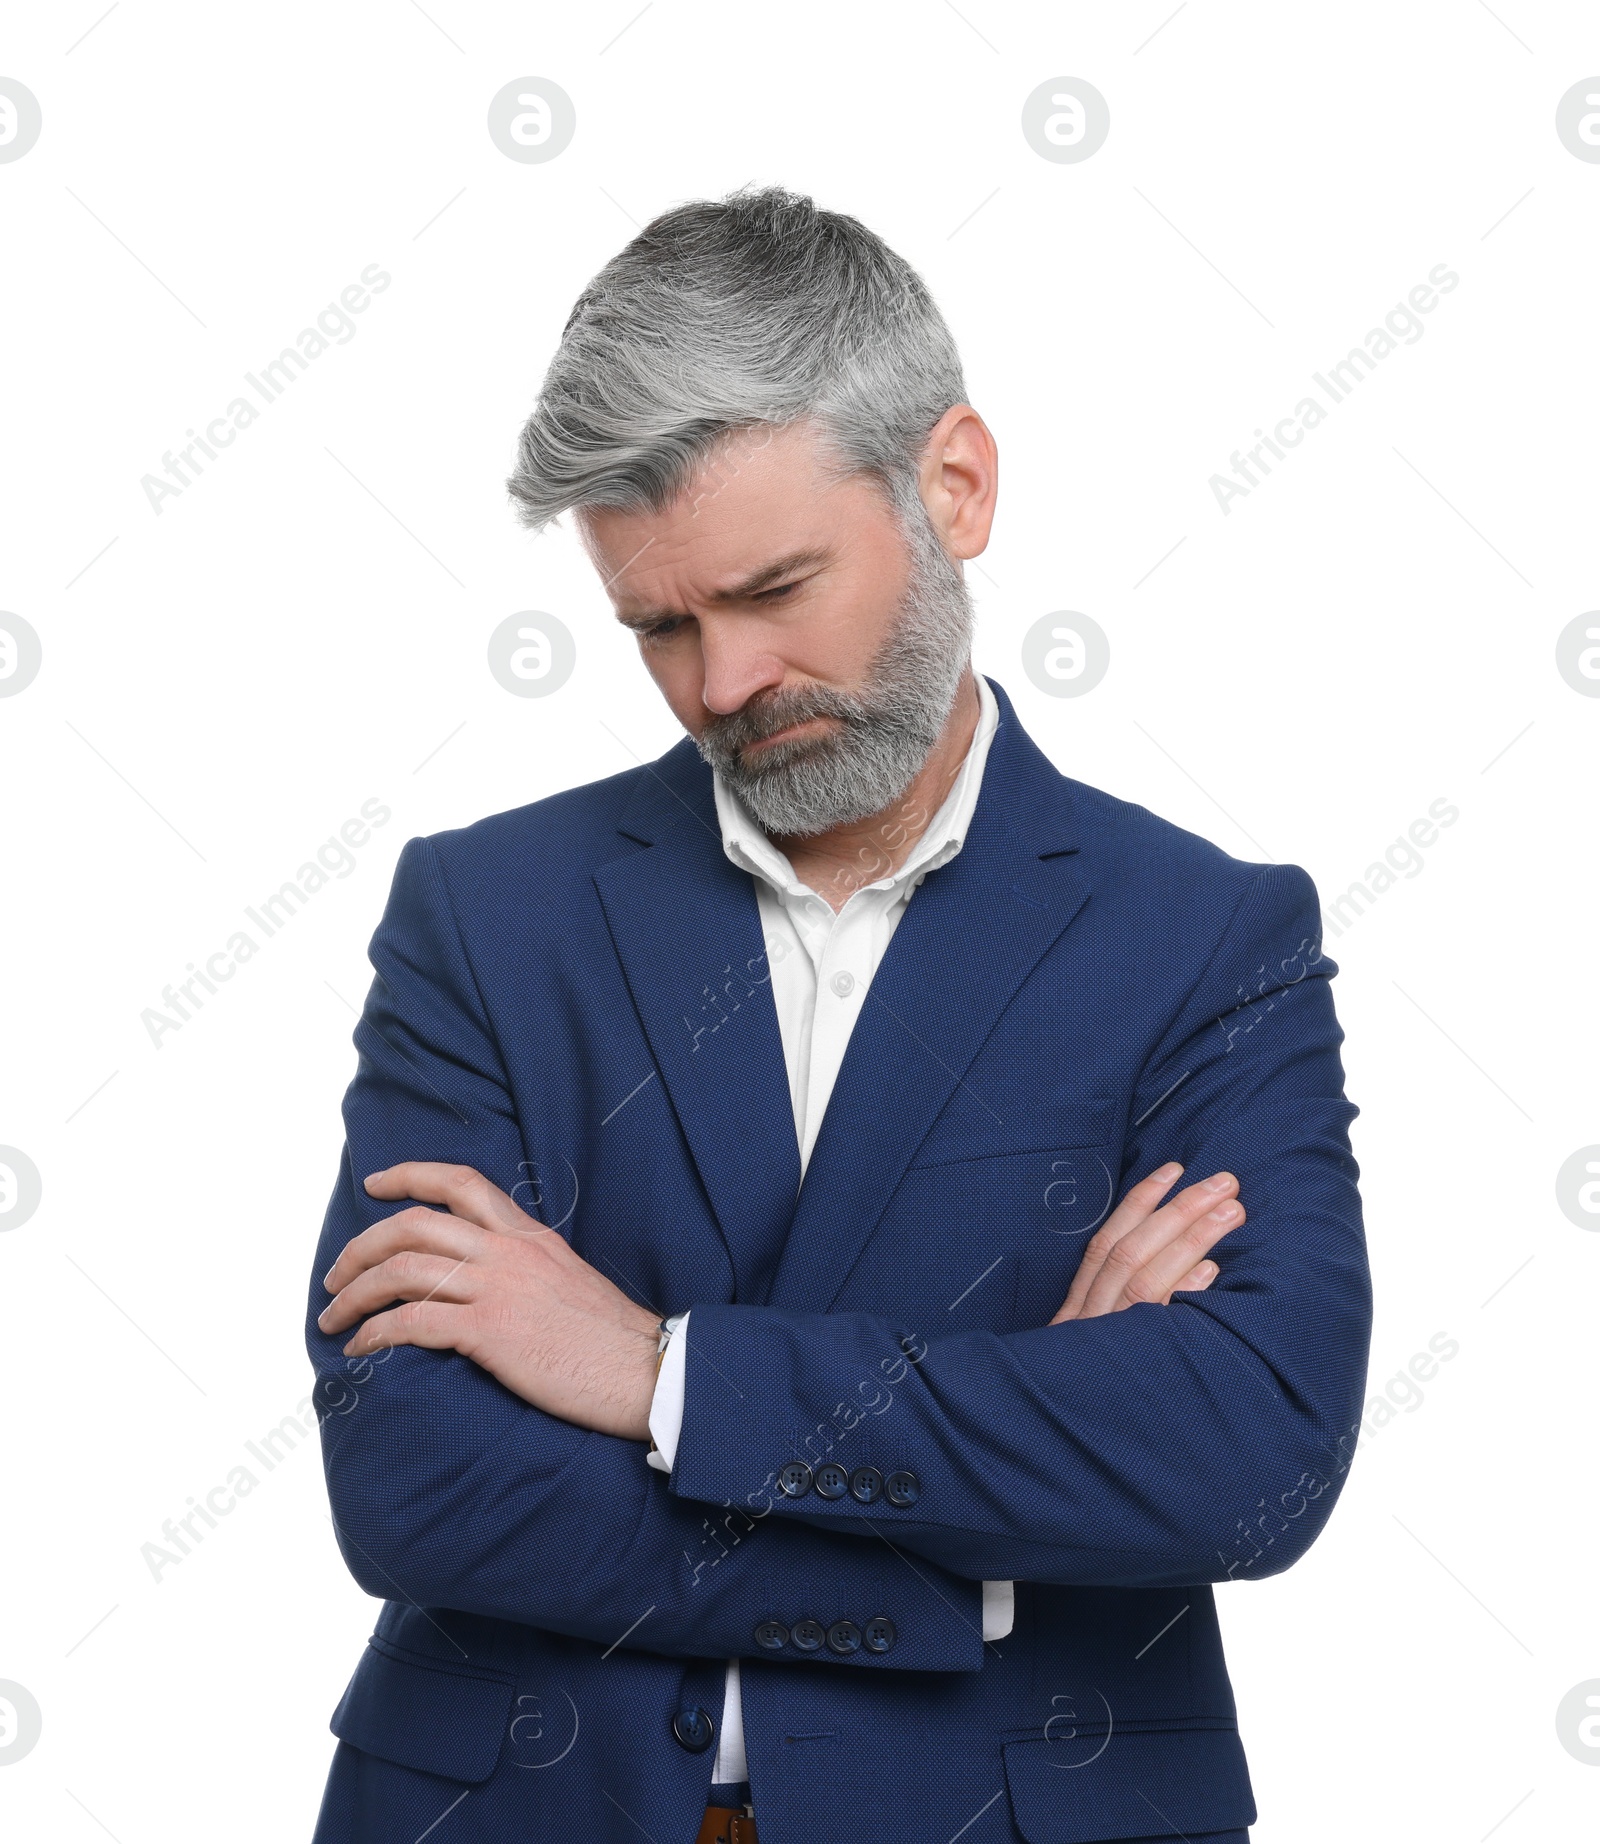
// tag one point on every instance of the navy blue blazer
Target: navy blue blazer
(574, 998)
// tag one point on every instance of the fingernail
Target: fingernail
(1224, 1213)
(1169, 1172)
(327, 1280)
(1205, 1271)
(1219, 1183)
(371, 1175)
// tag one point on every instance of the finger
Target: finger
(1159, 1277)
(433, 1326)
(1196, 1280)
(1094, 1290)
(408, 1275)
(1141, 1202)
(462, 1189)
(1132, 1211)
(1158, 1231)
(428, 1231)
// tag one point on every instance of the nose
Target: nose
(736, 666)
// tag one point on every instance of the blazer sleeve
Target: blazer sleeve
(1201, 1441)
(448, 1490)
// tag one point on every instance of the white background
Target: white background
(304, 628)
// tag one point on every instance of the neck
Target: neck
(836, 864)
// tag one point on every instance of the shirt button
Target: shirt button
(772, 1635)
(902, 1489)
(866, 1485)
(831, 1481)
(808, 1635)
(794, 1479)
(844, 1637)
(880, 1634)
(844, 984)
(694, 1730)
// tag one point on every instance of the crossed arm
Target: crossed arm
(482, 1277)
(1125, 1447)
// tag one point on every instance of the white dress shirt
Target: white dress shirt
(822, 963)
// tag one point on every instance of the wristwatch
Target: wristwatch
(668, 1326)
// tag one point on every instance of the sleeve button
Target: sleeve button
(794, 1479)
(880, 1634)
(807, 1634)
(844, 1638)
(902, 1488)
(866, 1485)
(772, 1635)
(831, 1481)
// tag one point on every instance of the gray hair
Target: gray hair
(755, 311)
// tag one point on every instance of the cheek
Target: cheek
(680, 678)
(839, 639)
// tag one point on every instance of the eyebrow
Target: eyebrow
(767, 577)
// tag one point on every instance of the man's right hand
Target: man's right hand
(1146, 1251)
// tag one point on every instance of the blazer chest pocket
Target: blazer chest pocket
(1034, 1181)
(425, 1714)
(970, 1130)
(994, 1211)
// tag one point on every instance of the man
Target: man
(882, 1505)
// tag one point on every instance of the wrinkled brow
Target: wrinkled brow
(767, 577)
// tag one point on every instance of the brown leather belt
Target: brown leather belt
(728, 1825)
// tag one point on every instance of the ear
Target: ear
(960, 480)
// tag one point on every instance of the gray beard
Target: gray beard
(809, 785)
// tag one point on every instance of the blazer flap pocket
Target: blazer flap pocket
(1149, 1784)
(969, 1131)
(422, 1713)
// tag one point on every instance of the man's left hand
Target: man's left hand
(484, 1278)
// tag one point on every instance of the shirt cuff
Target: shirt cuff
(999, 1607)
(666, 1404)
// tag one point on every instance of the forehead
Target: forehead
(763, 496)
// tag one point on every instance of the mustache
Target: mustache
(768, 713)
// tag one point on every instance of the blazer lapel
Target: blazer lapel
(969, 937)
(688, 933)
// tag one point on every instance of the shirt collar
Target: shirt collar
(747, 846)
